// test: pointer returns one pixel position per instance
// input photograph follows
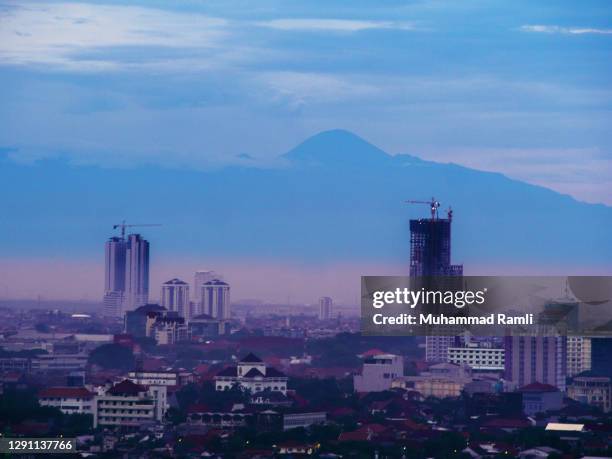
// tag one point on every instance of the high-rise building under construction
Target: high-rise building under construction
(430, 256)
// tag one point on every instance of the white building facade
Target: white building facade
(216, 299)
(175, 297)
(253, 375)
(378, 373)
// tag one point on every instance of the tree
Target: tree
(113, 356)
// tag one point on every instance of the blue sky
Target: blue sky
(519, 87)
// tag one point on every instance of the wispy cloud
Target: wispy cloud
(63, 34)
(333, 25)
(301, 88)
(554, 29)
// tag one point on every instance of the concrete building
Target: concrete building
(325, 308)
(592, 389)
(253, 375)
(200, 278)
(114, 276)
(378, 373)
(168, 329)
(441, 380)
(578, 355)
(430, 256)
(204, 326)
(136, 271)
(531, 359)
(69, 400)
(161, 378)
(175, 297)
(304, 420)
(539, 398)
(129, 405)
(44, 363)
(139, 322)
(477, 357)
(216, 299)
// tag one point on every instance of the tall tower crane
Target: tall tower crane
(433, 206)
(123, 226)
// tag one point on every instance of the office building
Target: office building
(175, 297)
(114, 276)
(478, 357)
(578, 355)
(536, 359)
(325, 308)
(200, 278)
(136, 271)
(215, 301)
(378, 372)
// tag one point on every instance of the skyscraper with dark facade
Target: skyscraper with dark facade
(430, 248)
(430, 256)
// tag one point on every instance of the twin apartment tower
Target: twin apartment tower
(126, 283)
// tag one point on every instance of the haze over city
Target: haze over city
(143, 111)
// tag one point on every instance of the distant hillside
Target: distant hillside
(337, 198)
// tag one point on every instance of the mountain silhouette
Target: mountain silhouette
(336, 198)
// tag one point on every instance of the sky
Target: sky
(521, 87)
(517, 87)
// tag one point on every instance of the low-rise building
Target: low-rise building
(591, 389)
(206, 326)
(378, 373)
(295, 420)
(127, 404)
(161, 378)
(59, 362)
(538, 398)
(477, 357)
(441, 380)
(253, 375)
(70, 400)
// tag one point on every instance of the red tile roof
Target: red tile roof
(538, 387)
(126, 387)
(65, 392)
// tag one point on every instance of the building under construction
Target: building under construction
(430, 266)
(430, 245)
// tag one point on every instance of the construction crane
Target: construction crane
(433, 206)
(123, 226)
